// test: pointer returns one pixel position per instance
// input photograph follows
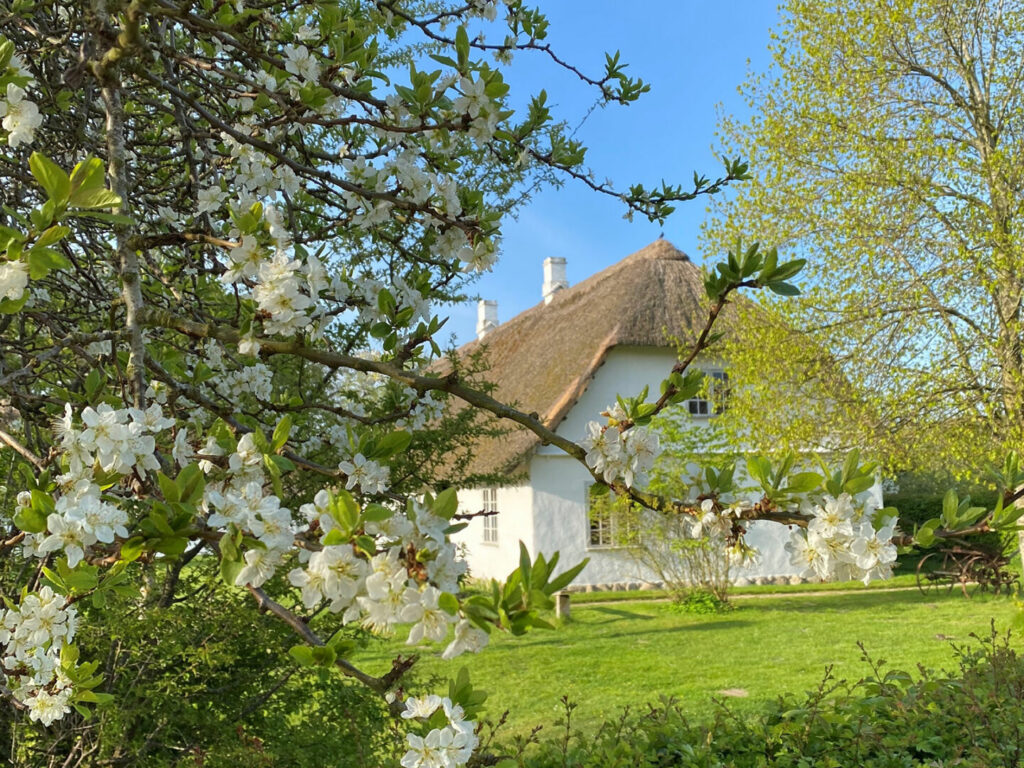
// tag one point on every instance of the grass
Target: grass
(898, 581)
(629, 653)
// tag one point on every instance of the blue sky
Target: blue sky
(694, 55)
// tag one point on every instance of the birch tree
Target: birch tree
(887, 146)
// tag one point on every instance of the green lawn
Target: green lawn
(629, 653)
(901, 581)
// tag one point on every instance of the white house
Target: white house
(566, 359)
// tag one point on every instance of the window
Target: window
(714, 396)
(611, 519)
(491, 520)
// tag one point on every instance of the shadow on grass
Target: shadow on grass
(620, 613)
(702, 627)
(858, 601)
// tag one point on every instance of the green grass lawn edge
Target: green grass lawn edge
(902, 581)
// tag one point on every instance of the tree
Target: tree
(228, 230)
(888, 150)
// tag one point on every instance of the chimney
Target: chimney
(554, 277)
(486, 317)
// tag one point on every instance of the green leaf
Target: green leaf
(924, 537)
(950, 507)
(345, 511)
(51, 178)
(783, 289)
(170, 492)
(851, 463)
(281, 433)
(132, 549)
(228, 546)
(42, 217)
(51, 236)
(229, 570)
(462, 47)
(283, 463)
(171, 545)
(10, 306)
(6, 54)
(446, 504)
(563, 580)
(376, 513)
(95, 199)
(803, 482)
(524, 565)
(87, 176)
(158, 517)
(303, 654)
(41, 261)
(390, 445)
(448, 603)
(30, 520)
(366, 545)
(93, 382)
(83, 578)
(333, 537)
(787, 270)
(191, 483)
(324, 655)
(858, 485)
(758, 468)
(55, 581)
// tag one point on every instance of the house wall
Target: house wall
(515, 523)
(561, 525)
(550, 513)
(560, 483)
(626, 371)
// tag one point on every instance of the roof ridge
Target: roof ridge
(545, 357)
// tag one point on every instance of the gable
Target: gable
(544, 359)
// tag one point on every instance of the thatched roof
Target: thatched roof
(543, 359)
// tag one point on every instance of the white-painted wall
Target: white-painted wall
(550, 513)
(626, 371)
(560, 483)
(515, 522)
(561, 525)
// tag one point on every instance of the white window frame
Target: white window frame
(609, 533)
(715, 400)
(490, 504)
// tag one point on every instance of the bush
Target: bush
(690, 567)
(700, 601)
(973, 718)
(917, 508)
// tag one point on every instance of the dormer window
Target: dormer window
(713, 399)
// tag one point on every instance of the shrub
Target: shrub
(972, 718)
(690, 567)
(700, 601)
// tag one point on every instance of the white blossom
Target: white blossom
(467, 638)
(260, 565)
(431, 620)
(13, 279)
(21, 117)
(299, 61)
(421, 708)
(370, 476)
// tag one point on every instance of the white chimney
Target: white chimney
(554, 277)
(486, 317)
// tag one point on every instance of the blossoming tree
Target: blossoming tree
(228, 234)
